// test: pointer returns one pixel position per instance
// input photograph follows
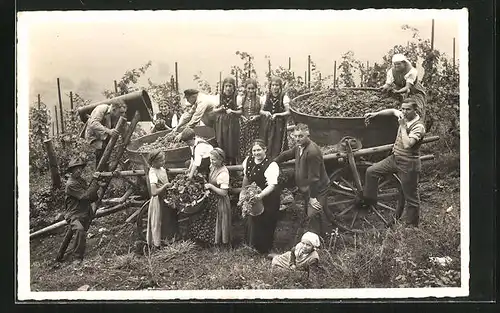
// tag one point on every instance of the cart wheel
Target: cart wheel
(142, 221)
(343, 193)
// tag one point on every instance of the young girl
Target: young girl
(162, 220)
(301, 256)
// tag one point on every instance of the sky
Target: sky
(88, 50)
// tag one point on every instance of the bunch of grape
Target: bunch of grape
(186, 192)
(162, 143)
(247, 198)
(345, 103)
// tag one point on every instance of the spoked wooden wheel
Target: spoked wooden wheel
(342, 194)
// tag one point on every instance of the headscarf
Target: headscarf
(311, 238)
(224, 99)
(153, 156)
(398, 57)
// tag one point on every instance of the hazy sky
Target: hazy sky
(87, 51)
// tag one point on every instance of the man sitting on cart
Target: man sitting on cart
(310, 176)
(404, 160)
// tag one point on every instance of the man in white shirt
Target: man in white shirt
(201, 109)
(200, 153)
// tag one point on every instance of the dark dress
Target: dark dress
(227, 130)
(167, 118)
(250, 130)
(260, 231)
(273, 132)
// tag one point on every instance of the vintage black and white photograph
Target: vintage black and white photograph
(252, 154)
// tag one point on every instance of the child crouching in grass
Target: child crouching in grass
(301, 256)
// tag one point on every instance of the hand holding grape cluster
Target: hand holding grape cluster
(248, 197)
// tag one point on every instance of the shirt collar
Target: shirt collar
(413, 120)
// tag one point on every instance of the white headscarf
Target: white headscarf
(311, 238)
(398, 57)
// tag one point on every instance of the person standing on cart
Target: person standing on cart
(201, 109)
(78, 198)
(402, 79)
(100, 126)
(200, 153)
(404, 160)
(310, 176)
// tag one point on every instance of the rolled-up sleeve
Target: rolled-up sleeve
(411, 76)
(417, 132)
(390, 78)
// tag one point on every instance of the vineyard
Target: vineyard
(398, 257)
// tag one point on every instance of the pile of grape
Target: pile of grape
(345, 103)
(185, 192)
(247, 198)
(162, 143)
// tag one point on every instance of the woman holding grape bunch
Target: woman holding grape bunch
(259, 168)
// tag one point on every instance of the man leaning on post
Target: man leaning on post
(404, 160)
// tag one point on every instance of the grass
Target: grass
(398, 257)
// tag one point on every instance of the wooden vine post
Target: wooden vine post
(57, 120)
(116, 87)
(176, 78)
(54, 169)
(309, 71)
(60, 105)
(334, 74)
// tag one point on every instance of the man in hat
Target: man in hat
(78, 199)
(200, 153)
(310, 176)
(200, 108)
(100, 126)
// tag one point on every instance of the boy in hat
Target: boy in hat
(200, 153)
(201, 109)
(78, 199)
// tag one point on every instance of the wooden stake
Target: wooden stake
(220, 82)
(176, 78)
(116, 87)
(289, 63)
(305, 77)
(53, 132)
(40, 101)
(432, 35)
(57, 120)
(309, 71)
(269, 67)
(60, 105)
(249, 66)
(54, 170)
(71, 99)
(334, 74)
